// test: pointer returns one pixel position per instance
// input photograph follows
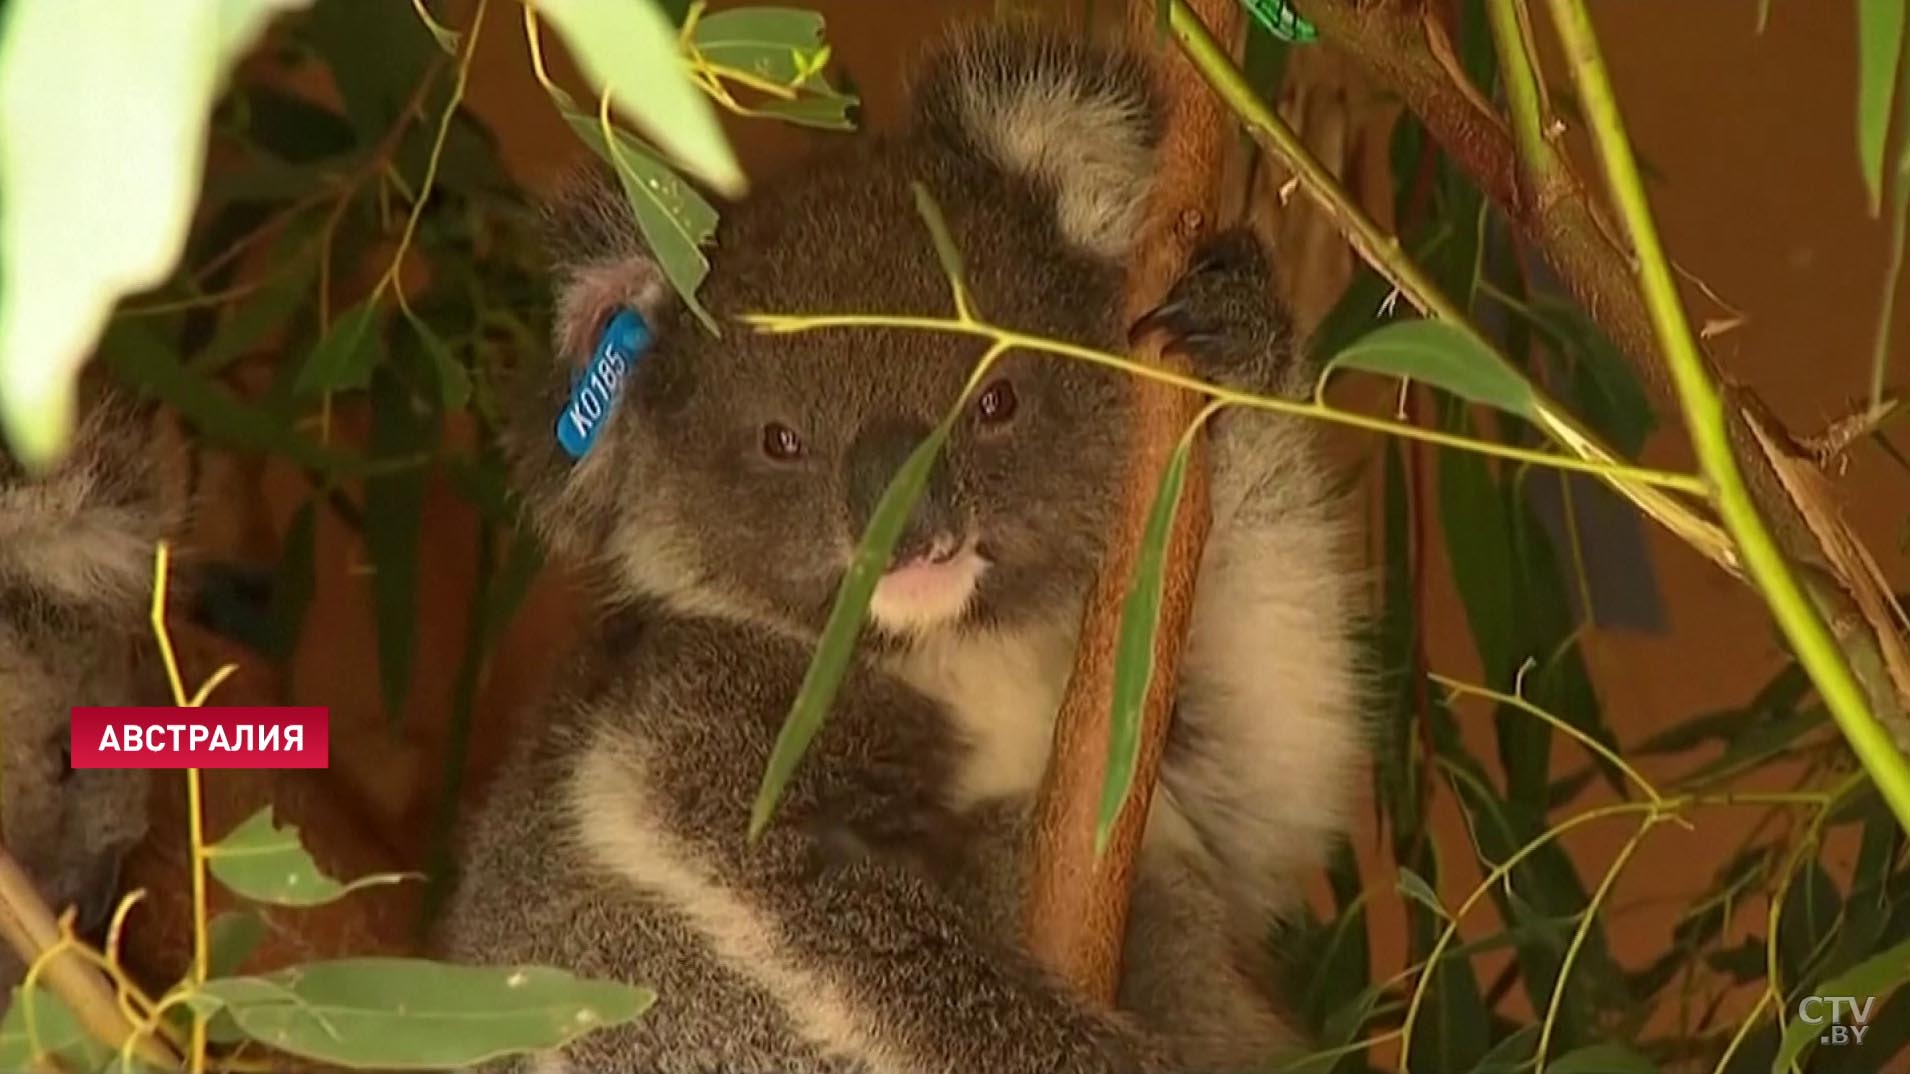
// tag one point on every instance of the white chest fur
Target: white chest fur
(1003, 691)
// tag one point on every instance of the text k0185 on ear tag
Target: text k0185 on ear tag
(594, 397)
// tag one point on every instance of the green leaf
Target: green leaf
(454, 381)
(781, 46)
(1602, 1059)
(947, 253)
(1511, 1055)
(394, 530)
(836, 647)
(252, 318)
(54, 1028)
(266, 863)
(1339, 1031)
(1876, 976)
(230, 940)
(1414, 887)
(1604, 383)
(675, 220)
(294, 581)
(347, 35)
(1879, 51)
(1445, 357)
(344, 359)
(94, 97)
(1134, 646)
(630, 49)
(411, 1014)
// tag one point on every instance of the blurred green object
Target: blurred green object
(1281, 20)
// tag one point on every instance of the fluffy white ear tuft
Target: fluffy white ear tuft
(1081, 120)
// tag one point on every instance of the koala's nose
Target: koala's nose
(876, 454)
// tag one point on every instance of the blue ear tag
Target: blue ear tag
(594, 397)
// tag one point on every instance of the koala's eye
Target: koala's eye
(66, 762)
(781, 443)
(997, 402)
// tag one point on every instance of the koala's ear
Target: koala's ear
(598, 262)
(83, 532)
(1080, 120)
(598, 265)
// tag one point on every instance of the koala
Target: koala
(76, 555)
(874, 925)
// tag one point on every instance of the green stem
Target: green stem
(1524, 95)
(1383, 252)
(1704, 415)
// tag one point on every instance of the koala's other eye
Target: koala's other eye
(997, 402)
(781, 443)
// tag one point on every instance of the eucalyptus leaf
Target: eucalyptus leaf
(836, 647)
(1880, 38)
(1415, 887)
(1609, 1058)
(271, 307)
(1134, 644)
(946, 252)
(454, 381)
(1444, 356)
(1876, 976)
(782, 47)
(103, 118)
(411, 1014)
(294, 581)
(675, 220)
(58, 1034)
(394, 531)
(265, 862)
(231, 938)
(629, 49)
(344, 358)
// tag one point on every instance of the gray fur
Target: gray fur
(76, 550)
(875, 925)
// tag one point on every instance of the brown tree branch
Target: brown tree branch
(1078, 901)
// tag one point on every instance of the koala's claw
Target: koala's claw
(1222, 314)
(1178, 320)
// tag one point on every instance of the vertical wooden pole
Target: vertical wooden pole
(1078, 902)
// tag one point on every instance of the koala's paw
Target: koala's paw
(1226, 317)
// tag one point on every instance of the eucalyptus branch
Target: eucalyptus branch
(1705, 418)
(780, 323)
(55, 958)
(1384, 254)
(1539, 161)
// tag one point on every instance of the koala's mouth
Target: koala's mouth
(931, 588)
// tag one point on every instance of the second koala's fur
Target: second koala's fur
(76, 555)
(874, 925)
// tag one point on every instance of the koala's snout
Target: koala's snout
(935, 529)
